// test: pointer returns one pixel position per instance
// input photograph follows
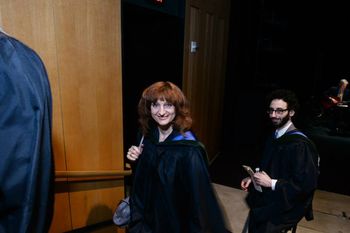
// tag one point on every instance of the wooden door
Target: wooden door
(206, 39)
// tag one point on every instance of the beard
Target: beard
(279, 122)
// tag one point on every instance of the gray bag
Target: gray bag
(121, 215)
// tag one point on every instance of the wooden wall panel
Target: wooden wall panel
(79, 42)
(62, 221)
(89, 58)
(31, 21)
(94, 201)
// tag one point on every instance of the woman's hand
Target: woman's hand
(245, 183)
(134, 152)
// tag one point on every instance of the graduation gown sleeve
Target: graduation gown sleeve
(303, 181)
(205, 213)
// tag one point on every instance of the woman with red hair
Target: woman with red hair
(172, 189)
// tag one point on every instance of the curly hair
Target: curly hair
(164, 90)
(287, 96)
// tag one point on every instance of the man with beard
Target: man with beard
(288, 172)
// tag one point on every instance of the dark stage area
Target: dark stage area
(272, 44)
(152, 51)
(279, 44)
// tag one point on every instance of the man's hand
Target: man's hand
(262, 179)
(245, 183)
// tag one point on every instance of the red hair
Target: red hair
(172, 94)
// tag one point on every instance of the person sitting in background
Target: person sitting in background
(337, 95)
(336, 106)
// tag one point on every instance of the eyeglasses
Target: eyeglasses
(278, 111)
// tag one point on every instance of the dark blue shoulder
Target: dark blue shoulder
(188, 136)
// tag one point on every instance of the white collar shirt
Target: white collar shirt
(279, 132)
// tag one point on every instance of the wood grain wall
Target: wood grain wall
(79, 42)
(207, 24)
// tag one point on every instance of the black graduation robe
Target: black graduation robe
(26, 166)
(172, 191)
(293, 160)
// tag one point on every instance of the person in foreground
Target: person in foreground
(172, 189)
(26, 157)
(288, 172)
